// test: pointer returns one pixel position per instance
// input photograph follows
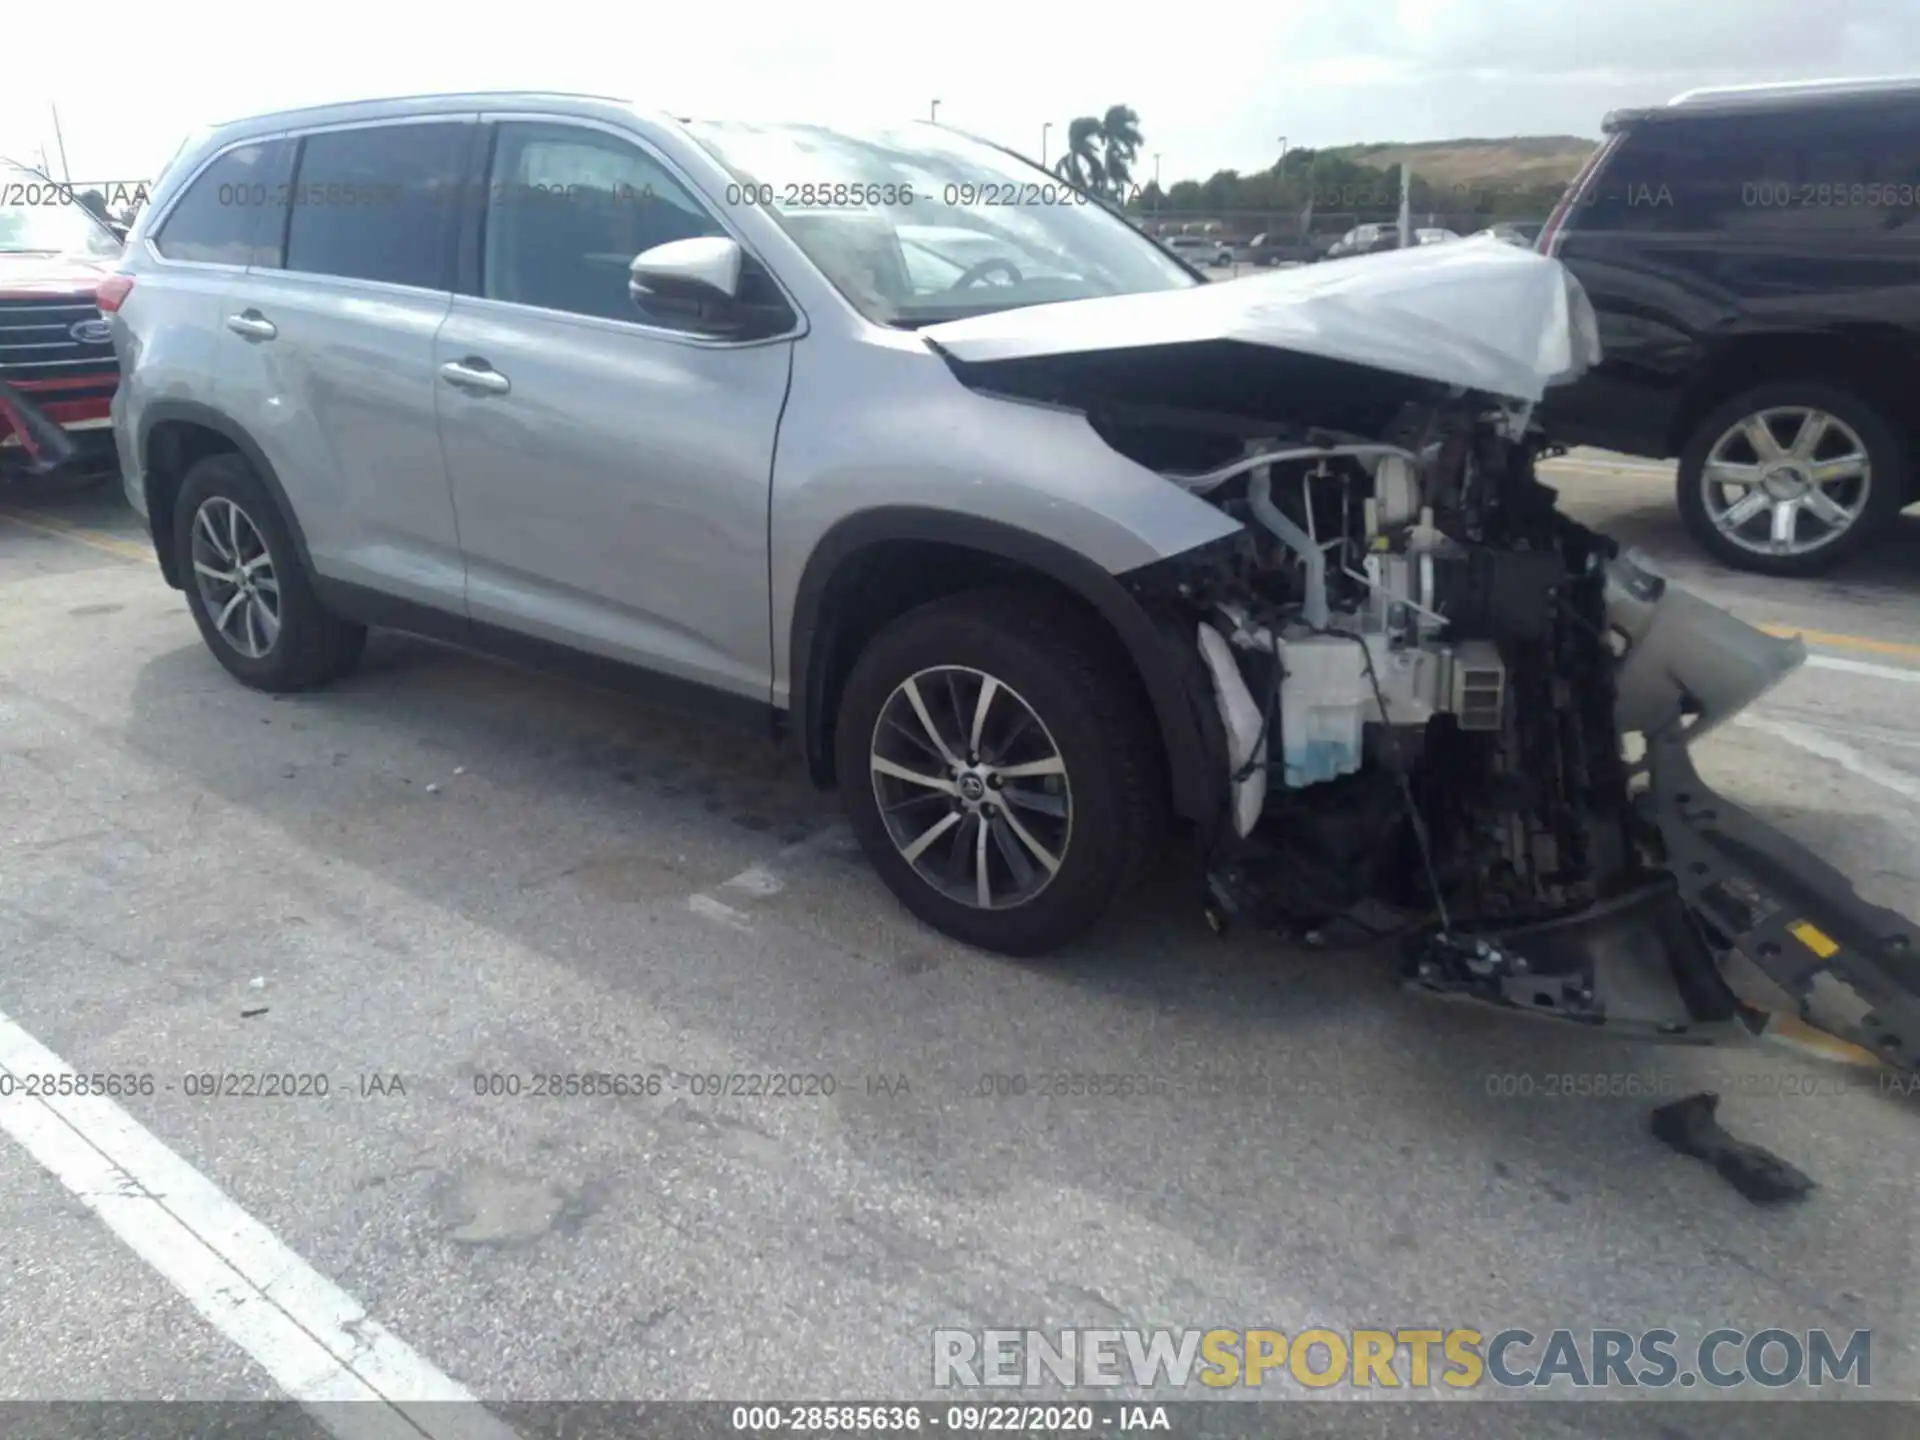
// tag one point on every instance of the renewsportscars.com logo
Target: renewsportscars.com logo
(1423, 1357)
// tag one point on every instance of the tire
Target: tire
(1885, 478)
(310, 646)
(1080, 691)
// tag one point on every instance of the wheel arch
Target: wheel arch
(173, 435)
(875, 565)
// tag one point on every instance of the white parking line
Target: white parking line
(315, 1340)
(1864, 667)
(1842, 754)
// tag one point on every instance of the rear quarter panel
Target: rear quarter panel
(167, 337)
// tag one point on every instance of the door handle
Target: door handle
(253, 325)
(476, 375)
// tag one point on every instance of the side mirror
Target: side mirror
(709, 284)
(706, 265)
(689, 282)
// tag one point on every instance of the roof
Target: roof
(1784, 96)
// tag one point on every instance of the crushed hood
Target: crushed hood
(1476, 313)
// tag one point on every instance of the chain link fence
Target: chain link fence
(1324, 226)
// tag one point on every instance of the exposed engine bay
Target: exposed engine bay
(1446, 712)
(1446, 703)
(1413, 662)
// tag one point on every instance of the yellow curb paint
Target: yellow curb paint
(1844, 642)
(98, 540)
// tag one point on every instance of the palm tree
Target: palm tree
(1081, 163)
(1120, 143)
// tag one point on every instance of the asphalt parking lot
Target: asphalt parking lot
(445, 876)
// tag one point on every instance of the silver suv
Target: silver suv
(1037, 544)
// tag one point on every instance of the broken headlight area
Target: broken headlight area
(1426, 678)
(1411, 632)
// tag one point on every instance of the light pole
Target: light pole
(60, 140)
(1279, 171)
(933, 112)
(1045, 126)
(1156, 191)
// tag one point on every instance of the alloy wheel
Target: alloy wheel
(1786, 480)
(971, 787)
(233, 571)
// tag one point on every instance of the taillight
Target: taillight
(112, 293)
(1550, 233)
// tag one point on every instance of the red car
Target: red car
(56, 348)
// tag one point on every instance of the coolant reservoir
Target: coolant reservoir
(1325, 702)
(1680, 647)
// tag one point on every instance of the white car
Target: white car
(1511, 233)
(1200, 249)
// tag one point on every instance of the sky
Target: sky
(1214, 91)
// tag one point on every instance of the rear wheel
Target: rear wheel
(1791, 478)
(249, 593)
(1000, 768)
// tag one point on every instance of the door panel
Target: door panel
(611, 477)
(615, 496)
(330, 357)
(341, 399)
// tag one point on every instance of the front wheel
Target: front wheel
(999, 766)
(1791, 478)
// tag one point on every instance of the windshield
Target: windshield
(41, 217)
(917, 224)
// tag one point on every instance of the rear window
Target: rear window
(229, 214)
(1767, 175)
(377, 203)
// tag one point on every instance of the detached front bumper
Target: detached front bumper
(1741, 923)
(1774, 909)
(1733, 922)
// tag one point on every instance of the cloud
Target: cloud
(1215, 92)
(1438, 38)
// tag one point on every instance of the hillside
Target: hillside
(1518, 162)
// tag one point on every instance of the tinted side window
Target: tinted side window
(233, 201)
(568, 208)
(1853, 174)
(377, 203)
(1784, 175)
(1662, 176)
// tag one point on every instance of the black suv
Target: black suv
(1753, 256)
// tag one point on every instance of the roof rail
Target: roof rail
(475, 95)
(1796, 90)
(1778, 97)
